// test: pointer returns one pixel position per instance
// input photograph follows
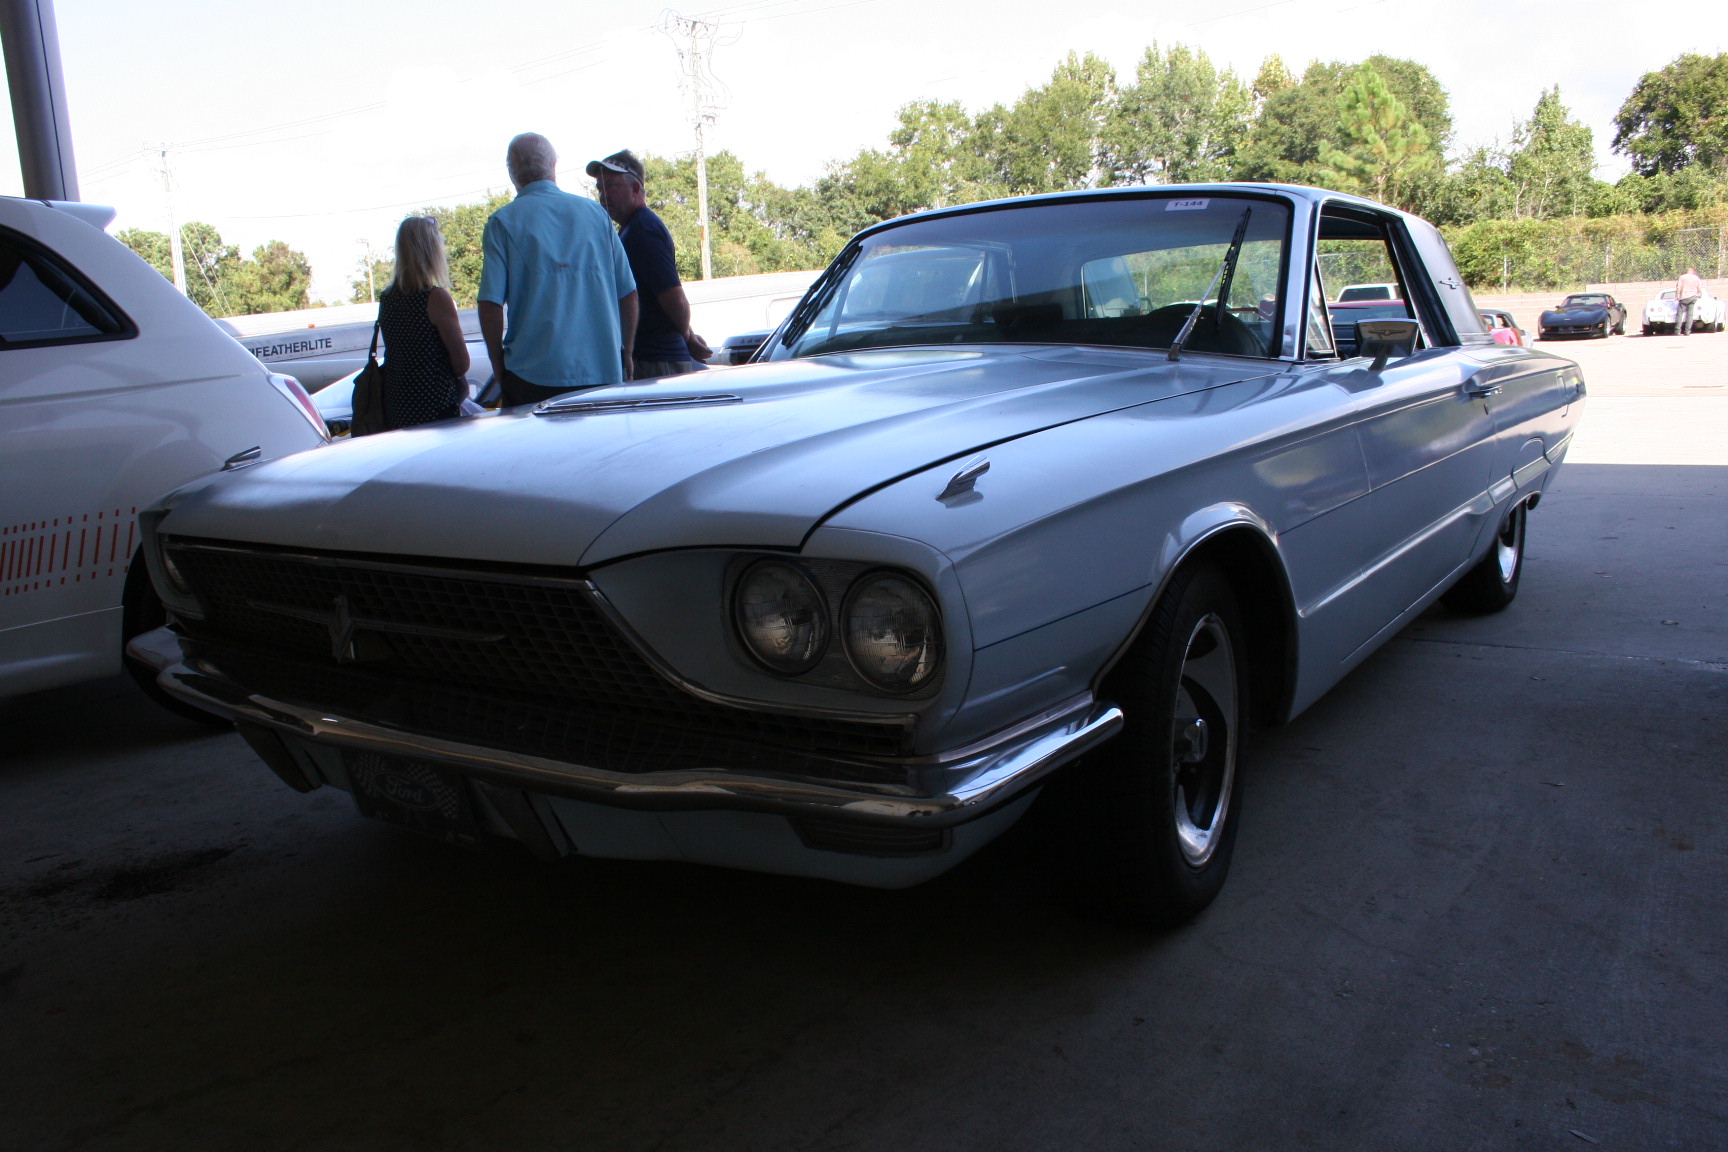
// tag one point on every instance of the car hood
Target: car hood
(1576, 312)
(802, 439)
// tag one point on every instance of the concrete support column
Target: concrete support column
(38, 99)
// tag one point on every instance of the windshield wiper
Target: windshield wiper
(807, 308)
(1226, 272)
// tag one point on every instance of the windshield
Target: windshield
(1586, 301)
(1124, 272)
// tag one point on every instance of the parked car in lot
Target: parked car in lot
(1708, 313)
(994, 519)
(114, 388)
(1353, 292)
(1583, 314)
(1503, 328)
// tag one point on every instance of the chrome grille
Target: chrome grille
(542, 670)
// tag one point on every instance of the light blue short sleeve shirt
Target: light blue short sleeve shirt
(553, 260)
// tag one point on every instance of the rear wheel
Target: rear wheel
(142, 612)
(1148, 824)
(1493, 583)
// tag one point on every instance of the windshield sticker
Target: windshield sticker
(1185, 205)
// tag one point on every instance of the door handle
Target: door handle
(241, 459)
(1481, 388)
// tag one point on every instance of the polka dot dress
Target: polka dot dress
(419, 385)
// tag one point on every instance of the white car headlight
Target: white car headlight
(893, 632)
(781, 617)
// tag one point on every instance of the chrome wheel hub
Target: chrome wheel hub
(1203, 739)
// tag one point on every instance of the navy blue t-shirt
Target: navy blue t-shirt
(654, 263)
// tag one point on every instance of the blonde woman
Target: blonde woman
(425, 355)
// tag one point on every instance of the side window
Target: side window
(1359, 267)
(42, 301)
(1317, 324)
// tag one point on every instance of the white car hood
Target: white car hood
(805, 437)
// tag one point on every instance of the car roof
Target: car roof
(1313, 196)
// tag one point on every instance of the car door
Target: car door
(1428, 440)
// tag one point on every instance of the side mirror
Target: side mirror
(1384, 339)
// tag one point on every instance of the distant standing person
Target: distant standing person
(555, 272)
(665, 345)
(424, 352)
(1686, 292)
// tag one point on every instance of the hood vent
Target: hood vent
(577, 406)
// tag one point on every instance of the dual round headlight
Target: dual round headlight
(889, 627)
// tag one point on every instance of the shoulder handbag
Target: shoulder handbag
(368, 415)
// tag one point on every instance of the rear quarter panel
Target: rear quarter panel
(91, 433)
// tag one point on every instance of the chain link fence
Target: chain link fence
(1512, 262)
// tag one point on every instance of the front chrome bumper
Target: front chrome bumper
(950, 788)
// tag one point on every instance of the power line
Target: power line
(416, 203)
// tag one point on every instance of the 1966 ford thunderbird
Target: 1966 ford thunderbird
(1043, 500)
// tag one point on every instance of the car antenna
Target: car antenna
(1226, 272)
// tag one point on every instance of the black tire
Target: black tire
(1648, 330)
(1607, 329)
(1147, 825)
(1620, 328)
(1493, 583)
(142, 612)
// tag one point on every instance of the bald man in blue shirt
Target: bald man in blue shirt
(557, 300)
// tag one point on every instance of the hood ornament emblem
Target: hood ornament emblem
(965, 481)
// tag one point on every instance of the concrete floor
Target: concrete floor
(1478, 903)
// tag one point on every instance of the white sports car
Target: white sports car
(1707, 314)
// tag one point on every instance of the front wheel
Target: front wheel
(1648, 330)
(1607, 329)
(1493, 583)
(1620, 328)
(1147, 825)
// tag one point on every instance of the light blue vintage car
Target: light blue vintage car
(1047, 500)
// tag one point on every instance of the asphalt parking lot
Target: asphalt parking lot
(1478, 903)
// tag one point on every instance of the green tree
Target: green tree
(1677, 117)
(1181, 120)
(155, 247)
(1052, 138)
(370, 278)
(1382, 149)
(1478, 189)
(275, 279)
(209, 263)
(1273, 78)
(1297, 121)
(1552, 162)
(463, 227)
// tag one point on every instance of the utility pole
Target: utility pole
(175, 245)
(366, 254)
(694, 40)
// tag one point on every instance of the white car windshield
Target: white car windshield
(1115, 271)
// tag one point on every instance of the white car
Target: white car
(1370, 292)
(1707, 314)
(114, 389)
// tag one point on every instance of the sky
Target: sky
(325, 122)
